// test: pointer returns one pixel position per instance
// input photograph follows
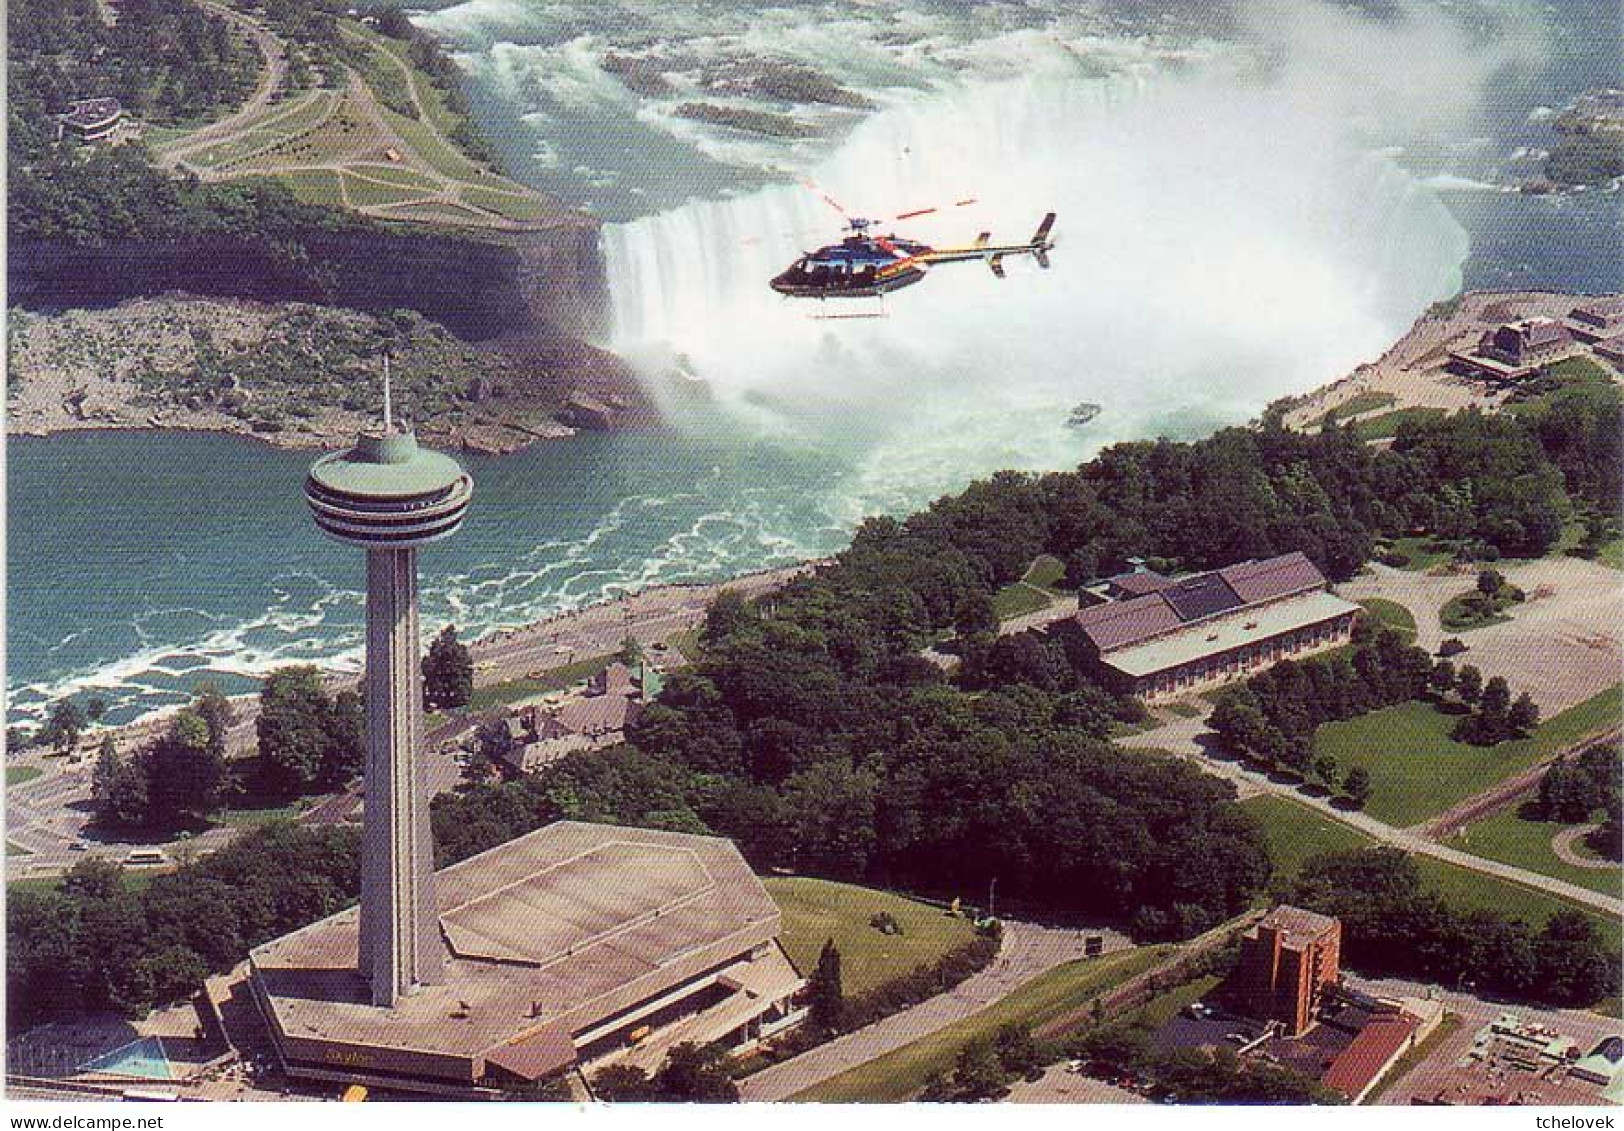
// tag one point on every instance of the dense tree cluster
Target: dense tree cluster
(308, 740)
(1273, 716)
(95, 943)
(115, 193)
(984, 1068)
(690, 1074)
(1574, 788)
(176, 781)
(1194, 1076)
(1393, 925)
(165, 60)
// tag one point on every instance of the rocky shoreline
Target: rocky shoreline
(302, 376)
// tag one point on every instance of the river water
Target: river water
(1224, 241)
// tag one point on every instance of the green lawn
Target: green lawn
(512, 205)
(16, 850)
(1417, 770)
(364, 192)
(1162, 1008)
(1047, 572)
(1386, 425)
(1019, 598)
(1458, 616)
(817, 910)
(1295, 832)
(686, 641)
(258, 816)
(1368, 401)
(16, 775)
(1511, 839)
(1185, 709)
(1424, 551)
(1391, 614)
(315, 186)
(555, 679)
(898, 1076)
(1473, 891)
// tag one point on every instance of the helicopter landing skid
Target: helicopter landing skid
(877, 312)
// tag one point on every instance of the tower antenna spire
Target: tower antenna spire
(388, 402)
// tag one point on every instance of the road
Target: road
(1028, 950)
(1190, 738)
(271, 75)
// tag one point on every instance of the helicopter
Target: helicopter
(866, 264)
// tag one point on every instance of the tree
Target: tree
(1489, 582)
(975, 616)
(1442, 679)
(977, 1074)
(95, 708)
(448, 672)
(1356, 786)
(1325, 771)
(306, 739)
(292, 709)
(1523, 716)
(695, 1074)
(118, 788)
(184, 772)
(631, 652)
(1496, 697)
(1018, 1053)
(1469, 684)
(728, 616)
(66, 725)
(623, 1083)
(825, 998)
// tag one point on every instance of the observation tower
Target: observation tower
(388, 496)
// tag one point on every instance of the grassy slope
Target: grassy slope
(1511, 839)
(555, 679)
(899, 1075)
(816, 910)
(16, 775)
(1295, 832)
(1417, 770)
(1391, 614)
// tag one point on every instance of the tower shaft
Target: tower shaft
(399, 933)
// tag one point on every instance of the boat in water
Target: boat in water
(1082, 414)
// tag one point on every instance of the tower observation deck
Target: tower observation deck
(388, 496)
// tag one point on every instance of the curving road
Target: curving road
(1028, 950)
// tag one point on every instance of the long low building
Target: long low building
(1180, 637)
(565, 946)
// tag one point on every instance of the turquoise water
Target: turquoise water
(144, 1058)
(140, 563)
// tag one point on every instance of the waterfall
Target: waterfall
(1219, 248)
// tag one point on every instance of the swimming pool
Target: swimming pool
(144, 1058)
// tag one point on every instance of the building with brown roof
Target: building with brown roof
(574, 943)
(1195, 633)
(1516, 350)
(1287, 962)
(1597, 320)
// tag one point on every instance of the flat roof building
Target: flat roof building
(91, 119)
(571, 944)
(1187, 635)
(1596, 321)
(1287, 961)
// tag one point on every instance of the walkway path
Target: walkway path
(1190, 738)
(270, 79)
(1562, 845)
(1028, 950)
